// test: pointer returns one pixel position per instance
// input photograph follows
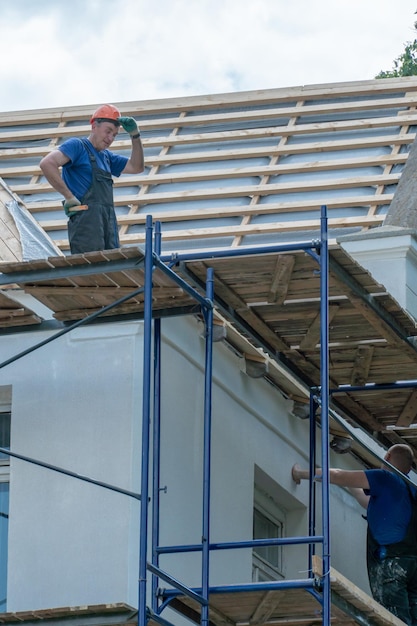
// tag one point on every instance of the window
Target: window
(5, 416)
(5, 421)
(268, 523)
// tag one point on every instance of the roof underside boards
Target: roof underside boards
(370, 336)
(273, 299)
(82, 294)
(235, 169)
(12, 313)
(103, 614)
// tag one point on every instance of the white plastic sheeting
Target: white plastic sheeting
(34, 241)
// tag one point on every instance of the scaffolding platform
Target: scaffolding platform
(292, 607)
(271, 298)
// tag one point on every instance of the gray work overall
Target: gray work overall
(95, 228)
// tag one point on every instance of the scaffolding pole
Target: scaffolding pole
(208, 318)
(146, 415)
(324, 393)
(156, 471)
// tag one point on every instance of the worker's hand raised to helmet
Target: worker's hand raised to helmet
(130, 126)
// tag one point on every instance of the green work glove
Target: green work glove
(130, 126)
(73, 201)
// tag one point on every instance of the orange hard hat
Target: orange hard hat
(106, 112)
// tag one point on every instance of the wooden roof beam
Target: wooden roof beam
(409, 412)
(262, 113)
(261, 97)
(236, 172)
(361, 366)
(265, 608)
(275, 131)
(312, 337)
(233, 308)
(280, 279)
(376, 315)
(250, 229)
(223, 211)
(243, 190)
(237, 153)
(254, 113)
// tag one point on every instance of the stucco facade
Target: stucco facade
(76, 404)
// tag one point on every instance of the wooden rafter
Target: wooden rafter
(280, 279)
(361, 365)
(409, 413)
(244, 165)
(312, 337)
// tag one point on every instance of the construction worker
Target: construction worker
(86, 182)
(392, 533)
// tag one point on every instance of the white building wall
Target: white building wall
(73, 403)
(77, 404)
(389, 253)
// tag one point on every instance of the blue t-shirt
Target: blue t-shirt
(77, 172)
(389, 508)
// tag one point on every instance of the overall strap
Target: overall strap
(93, 157)
(91, 154)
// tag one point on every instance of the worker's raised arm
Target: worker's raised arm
(342, 478)
(136, 162)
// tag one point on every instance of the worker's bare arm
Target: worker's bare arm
(360, 496)
(50, 166)
(342, 478)
(349, 478)
(136, 162)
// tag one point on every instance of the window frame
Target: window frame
(262, 568)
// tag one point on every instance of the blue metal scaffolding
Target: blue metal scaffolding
(319, 588)
(318, 249)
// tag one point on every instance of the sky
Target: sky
(60, 53)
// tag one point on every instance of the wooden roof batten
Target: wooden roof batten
(235, 167)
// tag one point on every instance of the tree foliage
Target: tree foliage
(406, 63)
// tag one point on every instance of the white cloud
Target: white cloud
(64, 53)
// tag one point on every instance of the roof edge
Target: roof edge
(321, 90)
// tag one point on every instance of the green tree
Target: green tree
(406, 63)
